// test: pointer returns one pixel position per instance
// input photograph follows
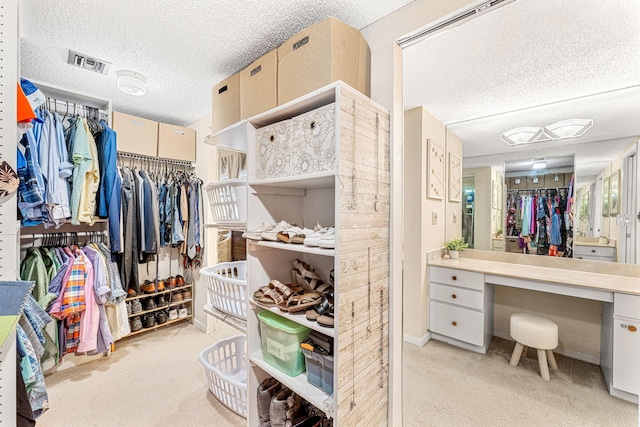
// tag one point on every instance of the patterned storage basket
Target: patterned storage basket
(227, 287)
(225, 364)
(228, 201)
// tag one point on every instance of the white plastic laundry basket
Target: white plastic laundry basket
(228, 201)
(225, 364)
(227, 287)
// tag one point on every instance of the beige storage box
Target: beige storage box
(554, 180)
(176, 142)
(259, 85)
(511, 244)
(136, 135)
(518, 183)
(567, 178)
(321, 54)
(534, 182)
(225, 108)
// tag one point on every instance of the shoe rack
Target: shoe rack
(353, 196)
(168, 293)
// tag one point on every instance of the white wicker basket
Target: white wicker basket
(227, 287)
(225, 364)
(228, 201)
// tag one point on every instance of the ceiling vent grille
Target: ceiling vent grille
(451, 22)
(88, 62)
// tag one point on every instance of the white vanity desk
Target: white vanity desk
(461, 308)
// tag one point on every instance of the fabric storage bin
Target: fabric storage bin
(259, 85)
(225, 364)
(319, 370)
(281, 340)
(273, 150)
(227, 287)
(321, 54)
(225, 103)
(535, 181)
(554, 180)
(313, 142)
(228, 201)
(518, 182)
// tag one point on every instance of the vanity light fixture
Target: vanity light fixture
(539, 164)
(131, 83)
(571, 128)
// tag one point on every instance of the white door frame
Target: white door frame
(629, 236)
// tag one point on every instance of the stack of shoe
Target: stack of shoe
(149, 304)
(136, 306)
(186, 294)
(182, 312)
(161, 301)
(177, 296)
(278, 406)
(161, 317)
(173, 313)
(149, 320)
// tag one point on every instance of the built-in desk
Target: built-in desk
(461, 309)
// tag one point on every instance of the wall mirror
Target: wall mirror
(571, 96)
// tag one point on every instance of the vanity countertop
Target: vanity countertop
(607, 282)
(595, 242)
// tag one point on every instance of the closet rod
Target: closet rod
(67, 234)
(155, 159)
(70, 108)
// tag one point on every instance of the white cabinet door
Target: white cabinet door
(626, 355)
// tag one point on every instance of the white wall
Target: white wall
(207, 170)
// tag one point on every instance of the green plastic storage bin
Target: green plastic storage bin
(281, 340)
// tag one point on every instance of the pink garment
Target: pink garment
(90, 320)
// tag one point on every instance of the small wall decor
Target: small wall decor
(614, 194)
(455, 178)
(435, 170)
(606, 185)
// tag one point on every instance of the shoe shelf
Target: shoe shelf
(291, 247)
(164, 307)
(300, 319)
(155, 294)
(299, 385)
(168, 322)
(230, 320)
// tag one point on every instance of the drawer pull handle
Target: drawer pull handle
(593, 251)
(454, 323)
(454, 278)
(454, 296)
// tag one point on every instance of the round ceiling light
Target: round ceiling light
(131, 83)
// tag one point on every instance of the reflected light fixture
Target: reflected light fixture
(539, 164)
(571, 128)
(131, 83)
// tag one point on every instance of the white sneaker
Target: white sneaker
(173, 314)
(286, 235)
(314, 238)
(182, 312)
(272, 235)
(257, 233)
(328, 239)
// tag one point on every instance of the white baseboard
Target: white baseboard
(595, 360)
(198, 324)
(418, 341)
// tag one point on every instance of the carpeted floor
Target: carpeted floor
(448, 386)
(155, 379)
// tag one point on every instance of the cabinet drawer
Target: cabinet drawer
(626, 305)
(626, 355)
(460, 323)
(459, 296)
(461, 278)
(135, 134)
(176, 142)
(594, 251)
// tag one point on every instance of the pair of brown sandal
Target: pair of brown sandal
(287, 297)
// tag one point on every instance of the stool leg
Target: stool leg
(524, 351)
(544, 368)
(552, 360)
(515, 356)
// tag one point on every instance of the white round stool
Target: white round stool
(529, 330)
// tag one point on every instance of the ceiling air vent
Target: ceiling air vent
(88, 62)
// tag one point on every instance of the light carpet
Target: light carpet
(447, 386)
(152, 379)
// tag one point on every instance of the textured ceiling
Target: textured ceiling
(182, 47)
(483, 77)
